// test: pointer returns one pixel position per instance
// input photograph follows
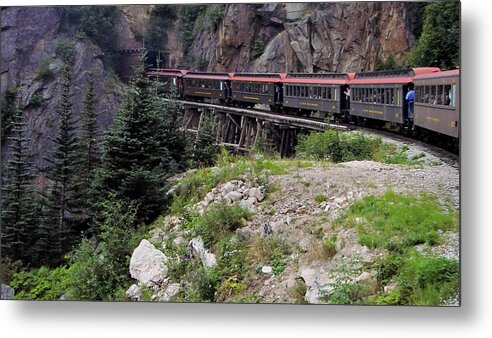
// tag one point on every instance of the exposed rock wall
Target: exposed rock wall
(29, 38)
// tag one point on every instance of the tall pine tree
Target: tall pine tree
(135, 157)
(89, 147)
(18, 212)
(62, 198)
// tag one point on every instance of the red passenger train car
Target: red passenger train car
(249, 89)
(325, 92)
(437, 103)
(380, 95)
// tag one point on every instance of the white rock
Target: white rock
(266, 269)
(179, 241)
(147, 264)
(227, 188)
(233, 196)
(6, 292)
(134, 292)
(198, 249)
(209, 197)
(248, 204)
(166, 295)
(257, 193)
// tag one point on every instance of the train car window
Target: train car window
(433, 93)
(439, 97)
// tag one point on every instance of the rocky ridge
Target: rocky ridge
(293, 214)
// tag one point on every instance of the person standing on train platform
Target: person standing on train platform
(410, 99)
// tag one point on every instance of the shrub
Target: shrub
(343, 147)
(330, 247)
(40, 284)
(215, 15)
(44, 71)
(269, 251)
(420, 280)
(298, 292)
(65, 49)
(36, 100)
(258, 47)
(320, 198)
(220, 220)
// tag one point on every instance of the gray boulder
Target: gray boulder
(198, 250)
(6, 292)
(148, 265)
(134, 292)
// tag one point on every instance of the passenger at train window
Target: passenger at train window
(410, 98)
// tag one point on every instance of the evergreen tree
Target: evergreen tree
(62, 198)
(136, 156)
(89, 146)
(205, 147)
(439, 43)
(18, 217)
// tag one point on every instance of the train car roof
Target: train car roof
(318, 78)
(400, 76)
(168, 72)
(259, 77)
(442, 74)
(209, 76)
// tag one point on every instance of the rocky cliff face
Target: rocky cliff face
(304, 37)
(29, 47)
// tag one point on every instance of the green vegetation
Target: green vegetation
(298, 292)
(144, 146)
(320, 198)
(8, 110)
(62, 195)
(40, 284)
(343, 147)
(270, 251)
(189, 17)
(197, 184)
(397, 223)
(439, 43)
(344, 289)
(36, 100)
(161, 20)
(44, 72)
(218, 221)
(19, 216)
(258, 47)
(65, 48)
(330, 247)
(215, 15)
(388, 64)
(205, 147)
(96, 272)
(95, 22)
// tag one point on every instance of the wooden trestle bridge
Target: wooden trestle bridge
(241, 128)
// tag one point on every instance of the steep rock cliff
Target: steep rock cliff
(29, 47)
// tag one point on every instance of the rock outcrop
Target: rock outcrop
(6, 292)
(147, 264)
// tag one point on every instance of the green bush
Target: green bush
(343, 147)
(269, 251)
(215, 15)
(40, 284)
(220, 220)
(330, 247)
(320, 198)
(258, 47)
(65, 49)
(44, 71)
(36, 100)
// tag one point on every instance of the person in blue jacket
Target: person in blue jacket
(410, 98)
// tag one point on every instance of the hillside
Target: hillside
(302, 237)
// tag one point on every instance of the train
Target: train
(370, 98)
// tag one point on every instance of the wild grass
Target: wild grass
(395, 221)
(269, 251)
(343, 147)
